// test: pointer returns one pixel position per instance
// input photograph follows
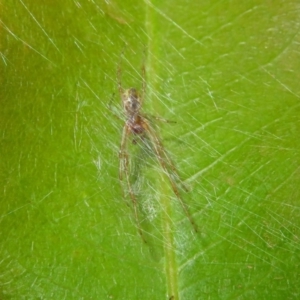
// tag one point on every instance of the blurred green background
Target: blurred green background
(227, 72)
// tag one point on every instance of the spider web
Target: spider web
(228, 77)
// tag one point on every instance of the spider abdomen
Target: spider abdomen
(136, 127)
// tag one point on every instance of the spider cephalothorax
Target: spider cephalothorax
(131, 101)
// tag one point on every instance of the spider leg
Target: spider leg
(149, 117)
(172, 166)
(170, 162)
(144, 84)
(123, 170)
(166, 163)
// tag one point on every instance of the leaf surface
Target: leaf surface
(227, 72)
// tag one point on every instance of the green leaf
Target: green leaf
(227, 72)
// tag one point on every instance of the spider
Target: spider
(138, 125)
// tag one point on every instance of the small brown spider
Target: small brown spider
(138, 125)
